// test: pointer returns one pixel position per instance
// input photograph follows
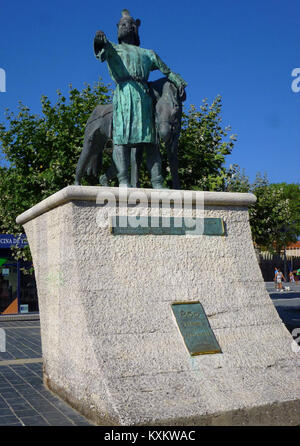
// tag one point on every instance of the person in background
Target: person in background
(279, 277)
(275, 282)
(297, 273)
(292, 277)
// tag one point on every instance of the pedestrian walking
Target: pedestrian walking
(279, 277)
(292, 277)
(297, 273)
(275, 281)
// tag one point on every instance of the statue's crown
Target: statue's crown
(126, 13)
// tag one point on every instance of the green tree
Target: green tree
(203, 147)
(43, 151)
(275, 217)
(271, 218)
(292, 193)
(236, 180)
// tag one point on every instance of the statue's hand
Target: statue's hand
(100, 35)
(99, 41)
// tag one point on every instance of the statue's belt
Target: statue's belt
(134, 79)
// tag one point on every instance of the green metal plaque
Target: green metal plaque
(166, 226)
(195, 328)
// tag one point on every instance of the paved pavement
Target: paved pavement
(294, 287)
(24, 401)
(287, 303)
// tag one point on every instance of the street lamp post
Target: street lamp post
(285, 264)
(285, 229)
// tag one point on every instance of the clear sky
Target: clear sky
(245, 51)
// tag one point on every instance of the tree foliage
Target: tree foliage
(268, 216)
(291, 192)
(43, 151)
(203, 147)
(236, 180)
(274, 218)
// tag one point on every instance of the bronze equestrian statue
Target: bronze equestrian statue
(133, 122)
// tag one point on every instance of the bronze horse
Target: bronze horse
(99, 130)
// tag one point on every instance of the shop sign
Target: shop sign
(8, 240)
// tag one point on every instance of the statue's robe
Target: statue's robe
(133, 112)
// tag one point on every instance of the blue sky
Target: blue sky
(245, 51)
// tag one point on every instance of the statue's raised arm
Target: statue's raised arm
(176, 79)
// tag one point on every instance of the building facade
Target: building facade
(293, 250)
(18, 292)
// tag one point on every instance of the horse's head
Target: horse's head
(169, 111)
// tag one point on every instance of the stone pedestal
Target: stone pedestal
(111, 345)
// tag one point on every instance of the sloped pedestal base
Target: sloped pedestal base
(111, 345)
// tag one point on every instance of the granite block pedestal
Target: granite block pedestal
(111, 345)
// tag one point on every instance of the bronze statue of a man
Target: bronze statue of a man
(133, 114)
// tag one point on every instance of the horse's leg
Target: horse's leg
(170, 138)
(153, 161)
(110, 173)
(83, 160)
(172, 146)
(136, 161)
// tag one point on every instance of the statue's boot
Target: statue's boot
(121, 157)
(136, 162)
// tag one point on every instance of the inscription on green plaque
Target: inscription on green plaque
(195, 328)
(129, 225)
